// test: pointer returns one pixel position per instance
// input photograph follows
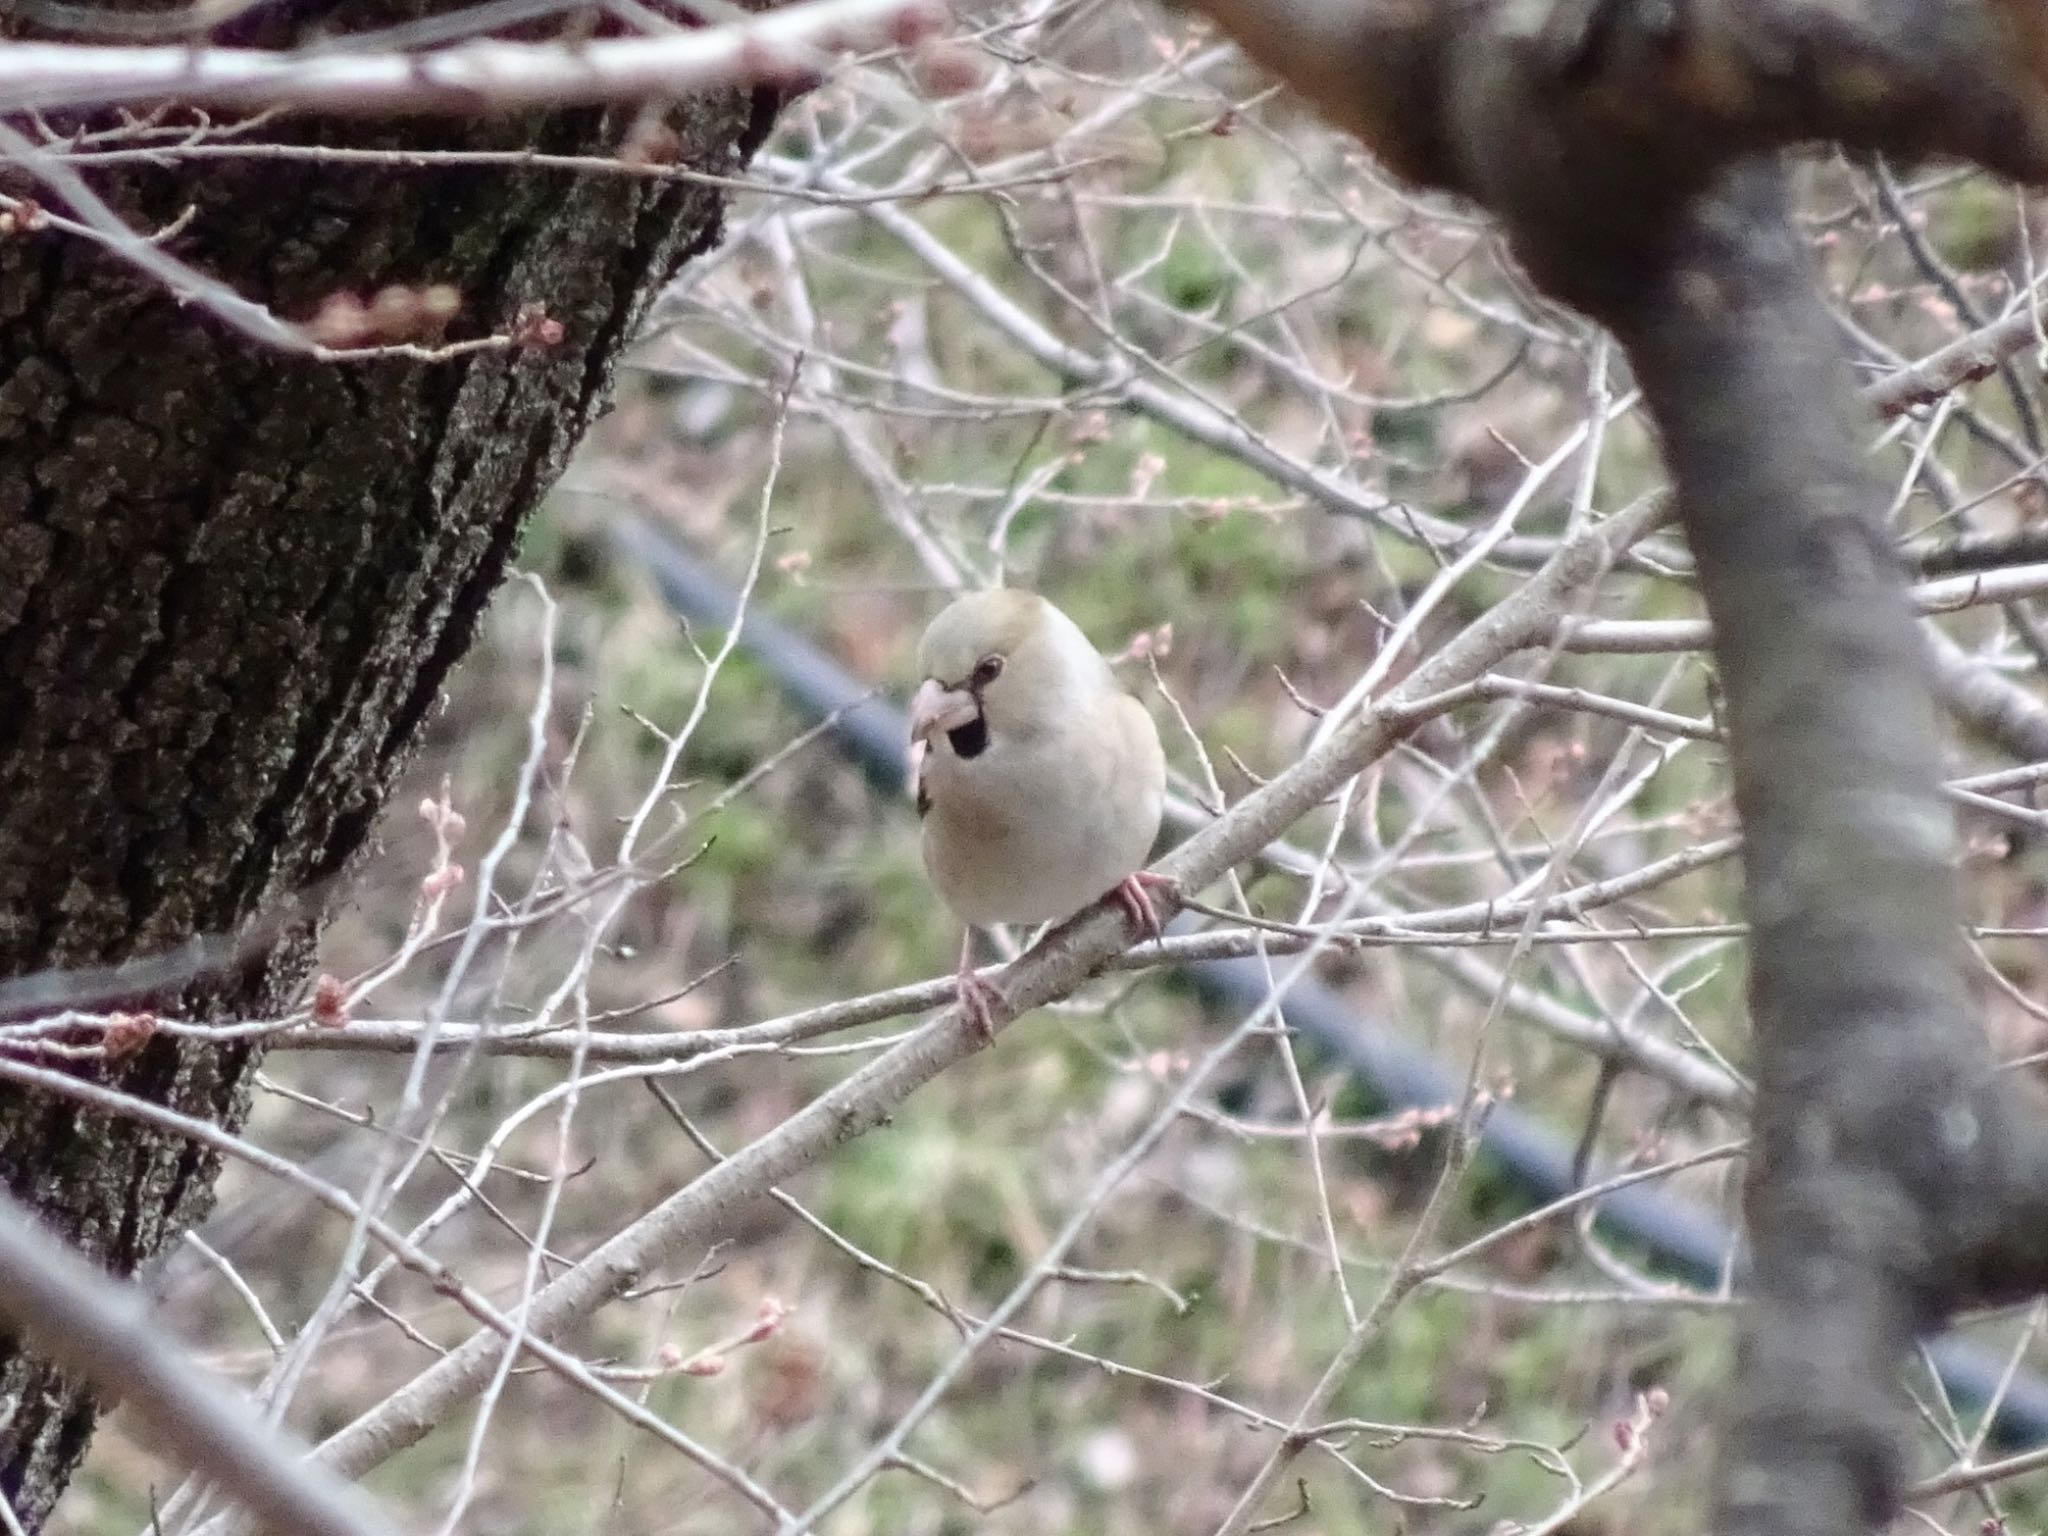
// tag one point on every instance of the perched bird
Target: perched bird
(1039, 779)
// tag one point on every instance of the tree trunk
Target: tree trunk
(233, 582)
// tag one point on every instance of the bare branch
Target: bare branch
(1059, 963)
(466, 79)
(104, 1331)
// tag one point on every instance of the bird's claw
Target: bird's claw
(979, 1001)
(1133, 894)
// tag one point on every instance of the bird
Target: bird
(1039, 780)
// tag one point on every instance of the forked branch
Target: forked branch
(1896, 1176)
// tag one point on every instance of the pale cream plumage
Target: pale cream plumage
(1040, 780)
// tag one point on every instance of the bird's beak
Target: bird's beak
(935, 708)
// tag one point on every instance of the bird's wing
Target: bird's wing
(1141, 759)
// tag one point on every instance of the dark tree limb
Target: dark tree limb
(1897, 1176)
(1692, 84)
(1885, 1142)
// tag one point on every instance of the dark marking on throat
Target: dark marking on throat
(970, 740)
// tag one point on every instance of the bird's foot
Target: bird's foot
(979, 1000)
(1134, 894)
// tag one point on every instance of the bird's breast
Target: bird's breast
(1032, 835)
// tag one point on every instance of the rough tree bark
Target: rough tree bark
(232, 583)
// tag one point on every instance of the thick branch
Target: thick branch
(102, 1330)
(1885, 1143)
(1684, 90)
(1896, 1175)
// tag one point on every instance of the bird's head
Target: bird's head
(1003, 664)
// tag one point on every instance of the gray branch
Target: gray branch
(1897, 1176)
(100, 1328)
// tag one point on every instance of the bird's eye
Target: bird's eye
(987, 670)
